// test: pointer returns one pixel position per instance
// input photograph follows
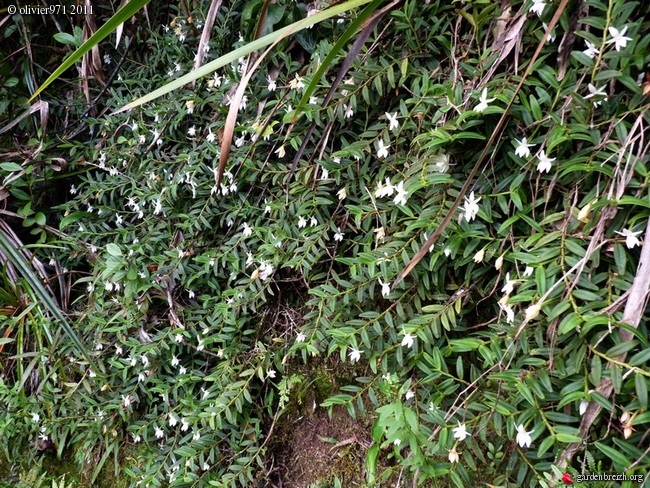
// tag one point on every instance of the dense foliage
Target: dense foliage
(202, 303)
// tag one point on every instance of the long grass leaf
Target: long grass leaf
(243, 51)
(110, 26)
(45, 298)
(352, 29)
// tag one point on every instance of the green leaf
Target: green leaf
(619, 460)
(65, 38)
(11, 167)
(545, 445)
(641, 385)
(567, 438)
(114, 250)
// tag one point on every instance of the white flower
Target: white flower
(544, 165)
(302, 222)
(348, 111)
(296, 83)
(339, 235)
(471, 207)
(533, 311)
(206, 466)
(631, 239)
(313, 222)
(271, 373)
(247, 230)
(127, 401)
(384, 191)
(266, 270)
(551, 35)
(510, 313)
(136, 437)
(182, 370)
(385, 288)
(157, 207)
(175, 361)
(172, 420)
(523, 150)
(280, 152)
(196, 435)
(145, 360)
(583, 407)
(409, 394)
(73, 190)
(211, 135)
(355, 354)
(324, 174)
(453, 456)
(200, 346)
(483, 101)
(460, 432)
(342, 193)
(184, 424)
(178, 338)
(509, 286)
(382, 152)
(392, 121)
(300, 337)
(191, 131)
(523, 437)
(397, 442)
(591, 50)
(447, 251)
(141, 377)
(618, 38)
(118, 219)
(400, 198)
(272, 84)
(313, 101)
(408, 340)
(35, 417)
(441, 161)
(499, 263)
(142, 139)
(596, 92)
(159, 432)
(538, 7)
(528, 271)
(189, 105)
(478, 257)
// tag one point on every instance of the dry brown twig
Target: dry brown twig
(632, 315)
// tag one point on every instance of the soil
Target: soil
(314, 448)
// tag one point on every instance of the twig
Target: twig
(632, 316)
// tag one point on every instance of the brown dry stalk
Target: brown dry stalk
(488, 147)
(632, 315)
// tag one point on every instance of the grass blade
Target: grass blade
(45, 298)
(243, 51)
(113, 23)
